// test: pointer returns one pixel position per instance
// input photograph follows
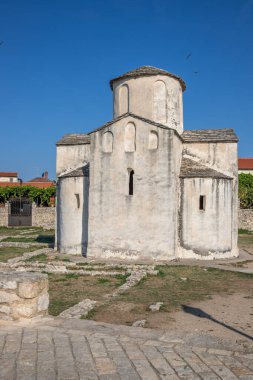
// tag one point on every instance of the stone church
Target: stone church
(140, 186)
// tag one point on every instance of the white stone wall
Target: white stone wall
(72, 215)
(157, 98)
(8, 179)
(143, 225)
(246, 219)
(43, 217)
(207, 232)
(70, 157)
(4, 215)
(245, 171)
(221, 156)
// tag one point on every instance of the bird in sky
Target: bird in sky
(188, 55)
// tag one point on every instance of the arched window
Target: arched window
(159, 107)
(153, 140)
(124, 99)
(130, 137)
(107, 142)
(131, 182)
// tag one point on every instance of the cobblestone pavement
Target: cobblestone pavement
(55, 348)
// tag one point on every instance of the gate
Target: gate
(20, 212)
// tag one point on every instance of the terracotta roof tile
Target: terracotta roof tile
(8, 174)
(245, 163)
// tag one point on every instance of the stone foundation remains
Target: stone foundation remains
(23, 295)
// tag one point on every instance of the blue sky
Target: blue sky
(58, 56)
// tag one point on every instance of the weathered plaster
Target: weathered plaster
(72, 221)
(144, 224)
(70, 157)
(146, 101)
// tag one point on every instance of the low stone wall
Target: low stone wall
(43, 217)
(4, 216)
(23, 295)
(245, 219)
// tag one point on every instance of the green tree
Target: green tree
(246, 190)
(40, 196)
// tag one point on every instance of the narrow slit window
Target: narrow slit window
(202, 202)
(131, 182)
(77, 200)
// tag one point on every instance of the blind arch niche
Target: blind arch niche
(123, 99)
(107, 142)
(130, 137)
(159, 106)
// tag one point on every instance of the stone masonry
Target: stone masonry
(43, 217)
(61, 349)
(23, 295)
(246, 219)
(4, 216)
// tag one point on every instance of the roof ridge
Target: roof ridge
(107, 124)
(194, 169)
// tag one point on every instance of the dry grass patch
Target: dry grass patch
(7, 253)
(69, 289)
(174, 285)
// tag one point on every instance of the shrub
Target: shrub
(246, 190)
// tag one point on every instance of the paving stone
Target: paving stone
(223, 372)
(144, 369)
(46, 350)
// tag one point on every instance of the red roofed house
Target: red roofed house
(245, 165)
(11, 179)
(8, 178)
(40, 182)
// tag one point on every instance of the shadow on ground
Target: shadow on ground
(202, 314)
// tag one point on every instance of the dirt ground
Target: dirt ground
(226, 314)
(231, 317)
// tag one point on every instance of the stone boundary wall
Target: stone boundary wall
(43, 217)
(23, 295)
(4, 216)
(245, 219)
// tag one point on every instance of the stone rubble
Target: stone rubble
(79, 310)
(140, 323)
(156, 306)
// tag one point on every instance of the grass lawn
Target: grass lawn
(245, 239)
(13, 231)
(175, 286)
(69, 289)
(42, 238)
(7, 253)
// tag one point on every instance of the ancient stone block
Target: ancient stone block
(7, 297)
(31, 289)
(23, 295)
(43, 302)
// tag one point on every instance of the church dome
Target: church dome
(147, 71)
